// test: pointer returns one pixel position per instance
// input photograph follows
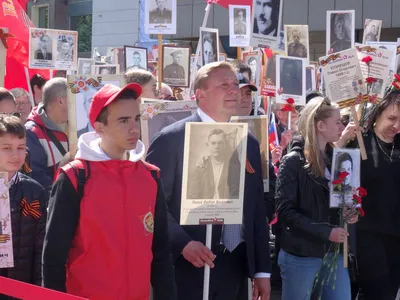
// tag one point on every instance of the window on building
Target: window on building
(40, 16)
(83, 24)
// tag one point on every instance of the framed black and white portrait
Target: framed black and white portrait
(340, 30)
(176, 66)
(297, 41)
(160, 16)
(135, 58)
(291, 79)
(239, 25)
(372, 30)
(266, 23)
(209, 39)
(344, 160)
(105, 69)
(85, 66)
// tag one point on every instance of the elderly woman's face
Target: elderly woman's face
(388, 123)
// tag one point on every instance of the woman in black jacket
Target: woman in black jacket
(302, 200)
(378, 232)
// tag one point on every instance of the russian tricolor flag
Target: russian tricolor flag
(273, 134)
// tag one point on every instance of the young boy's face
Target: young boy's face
(12, 153)
(123, 124)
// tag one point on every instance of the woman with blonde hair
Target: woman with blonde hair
(308, 225)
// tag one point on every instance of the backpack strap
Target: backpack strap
(78, 172)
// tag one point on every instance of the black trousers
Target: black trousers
(378, 258)
(228, 279)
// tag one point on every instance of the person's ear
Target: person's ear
(200, 94)
(320, 126)
(99, 128)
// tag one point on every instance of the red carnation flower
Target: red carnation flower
(367, 59)
(271, 94)
(357, 198)
(290, 101)
(341, 177)
(396, 84)
(361, 211)
(370, 80)
(397, 76)
(362, 192)
(287, 107)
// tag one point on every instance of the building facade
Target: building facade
(113, 23)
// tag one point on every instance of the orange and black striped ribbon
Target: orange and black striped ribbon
(32, 209)
(249, 167)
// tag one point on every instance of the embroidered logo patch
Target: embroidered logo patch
(148, 222)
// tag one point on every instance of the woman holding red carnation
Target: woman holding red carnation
(308, 225)
(378, 232)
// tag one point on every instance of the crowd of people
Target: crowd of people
(108, 222)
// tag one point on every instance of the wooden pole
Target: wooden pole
(239, 52)
(359, 134)
(160, 61)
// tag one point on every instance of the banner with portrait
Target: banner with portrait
(340, 30)
(160, 17)
(239, 25)
(214, 166)
(53, 49)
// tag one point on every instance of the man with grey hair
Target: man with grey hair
(46, 126)
(23, 102)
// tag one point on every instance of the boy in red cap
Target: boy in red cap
(107, 234)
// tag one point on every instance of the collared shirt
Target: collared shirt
(206, 119)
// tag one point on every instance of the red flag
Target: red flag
(226, 3)
(23, 4)
(13, 17)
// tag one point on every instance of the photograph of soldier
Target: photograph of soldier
(297, 40)
(162, 14)
(291, 79)
(372, 30)
(239, 26)
(266, 17)
(341, 31)
(65, 49)
(105, 69)
(176, 62)
(135, 58)
(252, 63)
(85, 65)
(44, 48)
(217, 174)
(210, 47)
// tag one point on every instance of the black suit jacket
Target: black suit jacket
(166, 152)
(39, 55)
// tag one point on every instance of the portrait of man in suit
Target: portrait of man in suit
(237, 251)
(217, 176)
(160, 15)
(291, 76)
(44, 51)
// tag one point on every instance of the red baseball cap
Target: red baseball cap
(106, 95)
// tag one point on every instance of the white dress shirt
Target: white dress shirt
(206, 119)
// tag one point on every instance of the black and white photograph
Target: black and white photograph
(344, 160)
(213, 171)
(160, 16)
(267, 18)
(239, 25)
(209, 38)
(372, 30)
(85, 66)
(340, 30)
(258, 127)
(135, 58)
(155, 115)
(291, 79)
(253, 60)
(105, 69)
(176, 66)
(297, 41)
(53, 49)
(391, 46)
(80, 94)
(118, 57)
(311, 84)
(397, 64)
(222, 57)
